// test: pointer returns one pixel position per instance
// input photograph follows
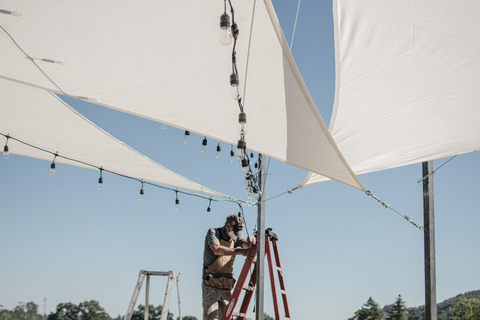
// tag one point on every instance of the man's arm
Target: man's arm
(220, 250)
(251, 241)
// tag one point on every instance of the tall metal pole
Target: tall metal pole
(429, 243)
(261, 242)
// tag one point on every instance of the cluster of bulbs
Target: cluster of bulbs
(228, 32)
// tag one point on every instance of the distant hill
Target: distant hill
(444, 309)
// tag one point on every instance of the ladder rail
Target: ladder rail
(280, 278)
(270, 244)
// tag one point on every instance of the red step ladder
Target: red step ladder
(270, 242)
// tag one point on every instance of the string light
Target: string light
(163, 126)
(204, 145)
(232, 155)
(177, 202)
(241, 145)
(209, 205)
(142, 193)
(229, 199)
(100, 181)
(186, 138)
(219, 151)
(6, 154)
(245, 168)
(225, 35)
(52, 166)
(235, 91)
(242, 127)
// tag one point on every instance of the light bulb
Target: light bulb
(186, 138)
(245, 168)
(163, 126)
(250, 193)
(240, 154)
(6, 154)
(177, 204)
(242, 124)
(225, 35)
(52, 169)
(142, 195)
(247, 184)
(219, 151)
(257, 168)
(100, 184)
(235, 90)
(232, 156)
(204, 146)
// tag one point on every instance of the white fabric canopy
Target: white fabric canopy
(163, 61)
(408, 79)
(43, 120)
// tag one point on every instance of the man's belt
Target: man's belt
(218, 275)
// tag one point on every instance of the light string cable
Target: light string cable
(422, 180)
(102, 169)
(386, 206)
(33, 59)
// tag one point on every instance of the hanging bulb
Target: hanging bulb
(257, 168)
(248, 183)
(100, 184)
(177, 204)
(142, 195)
(241, 145)
(164, 126)
(52, 169)
(245, 168)
(232, 156)
(6, 154)
(252, 155)
(225, 35)
(236, 90)
(186, 138)
(219, 151)
(242, 124)
(209, 209)
(204, 146)
(250, 193)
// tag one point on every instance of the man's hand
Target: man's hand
(250, 252)
(252, 240)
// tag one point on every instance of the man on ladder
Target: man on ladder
(221, 246)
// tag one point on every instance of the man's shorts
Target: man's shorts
(215, 302)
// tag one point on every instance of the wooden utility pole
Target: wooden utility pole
(259, 303)
(429, 242)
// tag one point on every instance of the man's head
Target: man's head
(234, 225)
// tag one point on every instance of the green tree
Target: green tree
(369, 311)
(90, 310)
(154, 313)
(32, 307)
(65, 311)
(467, 309)
(399, 310)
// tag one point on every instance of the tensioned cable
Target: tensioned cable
(295, 25)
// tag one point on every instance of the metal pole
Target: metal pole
(147, 291)
(261, 242)
(429, 243)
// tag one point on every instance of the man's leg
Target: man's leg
(211, 297)
(223, 302)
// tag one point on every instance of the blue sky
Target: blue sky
(62, 239)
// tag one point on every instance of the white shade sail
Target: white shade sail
(408, 79)
(43, 120)
(163, 61)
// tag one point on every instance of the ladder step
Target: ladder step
(250, 288)
(238, 314)
(283, 292)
